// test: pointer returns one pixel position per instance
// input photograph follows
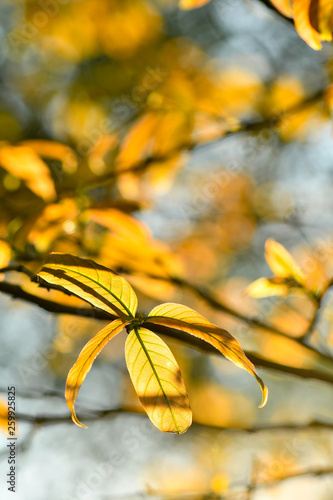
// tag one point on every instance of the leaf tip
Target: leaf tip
(77, 421)
(264, 393)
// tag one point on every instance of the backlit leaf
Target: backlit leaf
(92, 282)
(55, 220)
(4, 253)
(24, 163)
(264, 287)
(183, 318)
(137, 143)
(80, 369)
(120, 223)
(157, 380)
(54, 150)
(282, 263)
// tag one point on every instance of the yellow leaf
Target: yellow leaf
(325, 20)
(186, 319)
(92, 282)
(303, 24)
(25, 164)
(264, 287)
(192, 4)
(282, 263)
(137, 144)
(80, 369)
(304, 123)
(173, 132)
(157, 380)
(120, 223)
(99, 151)
(284, 6)
(286, 92)
(4, 253)
(54, 150)
(55, 220)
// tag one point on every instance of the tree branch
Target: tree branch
(90, 416)
(17, 292)
(246, 127)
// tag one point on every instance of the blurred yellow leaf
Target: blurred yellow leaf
(172, 133)
(290, 353)
(5, 252)
(98, 152)
(79, 371)
(239, 90)
(286, 92)
(130, 245)
(306, 122)
(315, 270)
(192, 4)
(127, 25)
(137, 143)
(183, 318)
(54, 150)
(120, 223)
(282, 263)
(55, 220)
(24, 163)
(220, 483)
(157, 380)
(264, 287)
(92, 282)
(288, 274)
(292, 317)
(153, 287)
(214, 405)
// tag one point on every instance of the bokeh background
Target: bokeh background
(169, 145)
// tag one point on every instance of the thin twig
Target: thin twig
(144, 163)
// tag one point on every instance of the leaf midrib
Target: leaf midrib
(156, 375)
(102, 286)
(202, 329)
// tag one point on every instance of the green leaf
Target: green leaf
(96, 284)
(186, 319)
(84, 362)
(158, 381)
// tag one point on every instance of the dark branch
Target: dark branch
(88, 416)
(244, 128)
(17, 292)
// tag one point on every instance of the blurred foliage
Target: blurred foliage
(169, 145)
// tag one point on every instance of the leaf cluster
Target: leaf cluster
(152, 367)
